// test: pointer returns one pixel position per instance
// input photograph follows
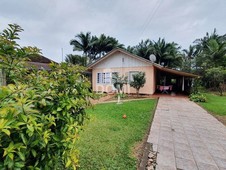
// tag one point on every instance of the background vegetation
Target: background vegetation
(205, 57)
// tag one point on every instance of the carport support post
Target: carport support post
(183, 84)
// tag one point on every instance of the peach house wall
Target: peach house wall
(149, 87)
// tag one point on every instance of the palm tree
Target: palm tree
(173, 58)
(212, 50)
(189, 55)
(215, 53)
(94, 47)
(131, 49)
(160, 50)
(167, 54)
(75, 59)
(144, 49)
(103, 44)
(82, 42)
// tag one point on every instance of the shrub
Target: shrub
(198, 97)
(138, 81)
(40, 121)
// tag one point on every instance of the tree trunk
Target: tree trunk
(137, 92)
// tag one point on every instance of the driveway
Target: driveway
(186, 137)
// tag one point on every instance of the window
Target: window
(99, 78)
(107, 78)
(103, 78)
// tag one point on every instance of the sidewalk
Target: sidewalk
(186, 137)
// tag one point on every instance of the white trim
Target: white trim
(102, 77)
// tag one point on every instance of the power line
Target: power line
(150, 17)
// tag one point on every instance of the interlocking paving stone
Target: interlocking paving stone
(186, 137)
(206, 166)
(188, 164)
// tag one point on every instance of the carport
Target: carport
(170, 80)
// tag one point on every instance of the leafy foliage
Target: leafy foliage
(41, 120)
(198, 97)
(119, 81)
(167, 54)
(216, 77)
(138, 81)
(41, 114)
(93, 47)
(11, 54)
(76, 59)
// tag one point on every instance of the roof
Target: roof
(39, 59)
(177, 72)
(39, 62)
(90, 66)
(38, 65)
(157, 66)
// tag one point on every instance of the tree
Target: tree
(82, 42)
(94, 47)
(42, 112)
(138, 81)
(75, 59)
(167, 54)
(144, 49)
(118, 82)
(188, 57)
(215, 78)
(212, 50)
(12, 55)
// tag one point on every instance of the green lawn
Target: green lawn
(215, 104)
(108, 139)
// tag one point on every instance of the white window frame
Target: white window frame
(103, 78)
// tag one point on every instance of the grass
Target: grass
(215, 104)
(107, 141)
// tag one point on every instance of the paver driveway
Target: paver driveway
(187, 137)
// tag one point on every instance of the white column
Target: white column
(183, 84)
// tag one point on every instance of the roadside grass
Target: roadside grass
(107, 140)
(215, 104)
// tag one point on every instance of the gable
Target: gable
(119, 60)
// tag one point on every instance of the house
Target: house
(34, 61)
(39, 62)
(158, 78)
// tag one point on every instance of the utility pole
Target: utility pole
(62, 51)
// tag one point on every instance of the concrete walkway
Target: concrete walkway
(186, 137)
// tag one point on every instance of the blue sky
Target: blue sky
(51, 24)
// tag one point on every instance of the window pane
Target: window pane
(107, 78)
(103, 77)
(99, 78)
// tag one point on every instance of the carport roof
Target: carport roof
(176, 72)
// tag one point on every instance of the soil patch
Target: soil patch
(130, 97)
(222, 119)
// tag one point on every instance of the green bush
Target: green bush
(40, 118)
(198, 97)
